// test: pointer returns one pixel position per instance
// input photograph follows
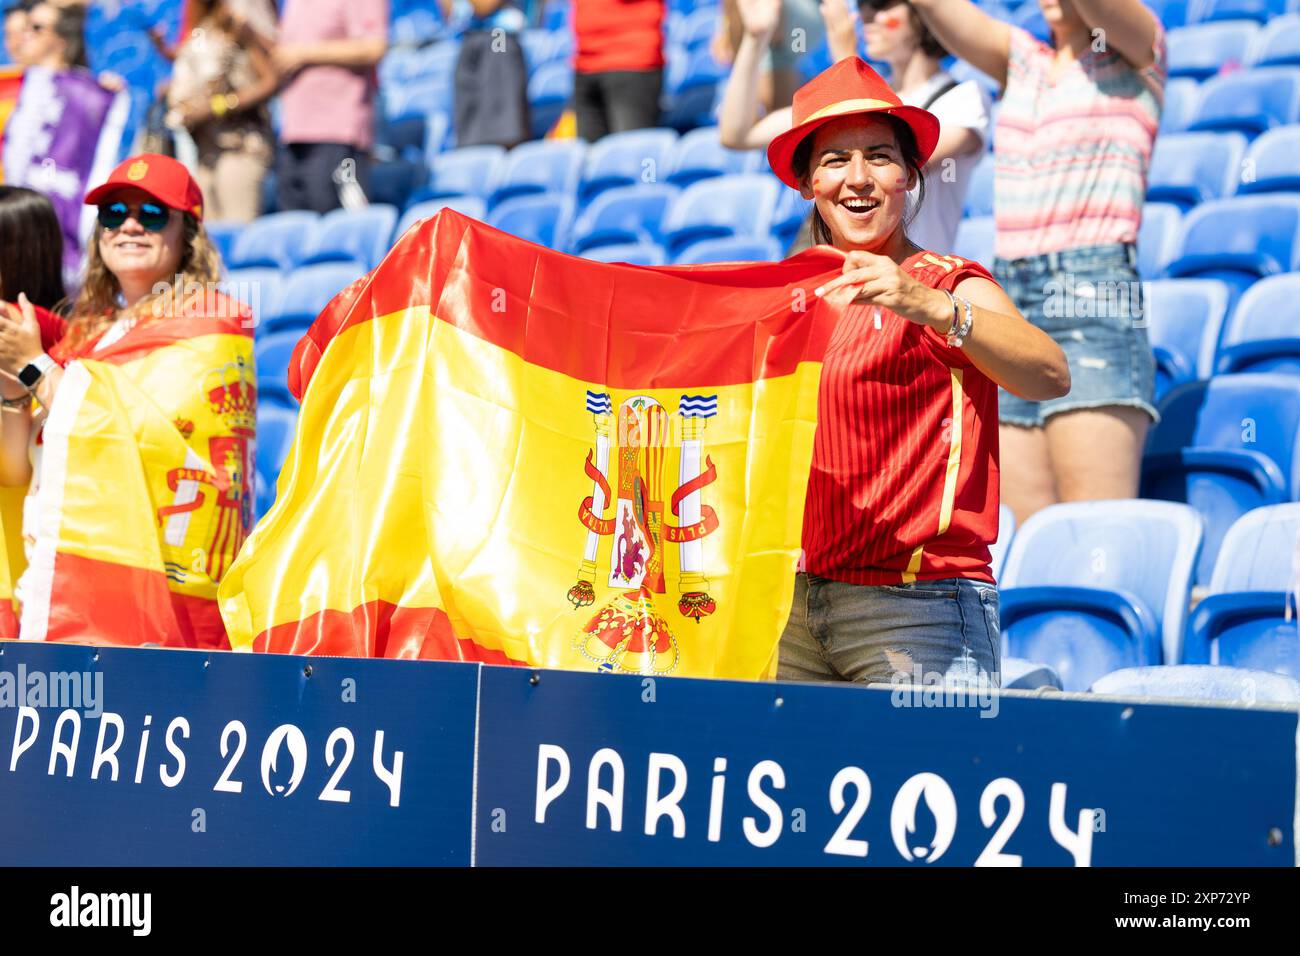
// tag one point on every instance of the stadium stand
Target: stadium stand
(1184, 321)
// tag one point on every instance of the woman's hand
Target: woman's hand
(841, 28)
(760, 17)
(20, 335)
(877, 280)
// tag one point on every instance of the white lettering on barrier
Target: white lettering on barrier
(546, 793)
(611, 799)
(769, 770)
(657, 806)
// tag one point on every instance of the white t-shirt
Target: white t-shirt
(966, 104)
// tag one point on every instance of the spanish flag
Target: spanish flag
(144, 493)
(509, 455)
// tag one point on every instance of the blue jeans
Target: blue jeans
(870, 633)
(1090, 302)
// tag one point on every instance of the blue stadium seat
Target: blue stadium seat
(544, 218)
(788, 217)
(420, 97)
(1272, 163)
(1202, 50)
(275, 429)
(471, 206)
(392, 183)
(699, 155)
(1263, 333)
(1182, 97)
(636, 253)
(545, 166)
(275, 241)
(359, 236)
(625, 159)
(975, 240)
(1184, 321)
(1192, 682)
(1090, 587)
(691, 83)
(1239, 240)
(272, 353)
(1251, 102)
(1190, 168)
(223, 236)
(468, 171)
(1172, 13)
(692, 29)
(1244, 620)
(404, 134)
(307, 291)
(1030, 17)
(979, 193)
(537, 48)
(1279, 43)
(1225, 446)
(1006, 532)
(549, 92)
(257, 287)
(1020, 674)
(720, 208)
(622, 215)
(1257, 10)
(1158, 238)
(435, 62)
(733, 249)
(437, 133)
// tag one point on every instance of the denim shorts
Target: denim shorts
(1089, 301)
(926, 632)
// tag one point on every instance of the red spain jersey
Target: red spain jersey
(904, 482)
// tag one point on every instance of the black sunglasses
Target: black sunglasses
(149, 215)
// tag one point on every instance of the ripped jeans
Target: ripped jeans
(870, 633)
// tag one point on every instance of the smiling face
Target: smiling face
(858, 178)
(136, 256)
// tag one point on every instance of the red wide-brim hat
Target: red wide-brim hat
(849, 88)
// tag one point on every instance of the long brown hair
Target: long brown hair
(31, 247)
(97, 302)
(801, 162)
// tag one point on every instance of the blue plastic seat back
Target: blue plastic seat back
(1238, 240)
(1158, 238)
(1006, 532)
(789, 215)
(634, 253)
(1270, 164)
(1257, 10)
(699, 155)
(720, 208)
(276, 241)
(307, 291)
(1225, 446)
(1184, 321)
(735, 249)
(1263, 333)
(1251, 101)
(1193, 682)
(223, 236)
(626, 159)
(1279, 44)
(272, 353)
(358, 236)
(468, 171)
(392, 183)
(623, 214)
(471, 206)
(1146, 549)
(975, 240)
(979, 191)
(544, 218)
(258, 288)
(275, 430)
(538, 167)
(549, 90)
(1259, 552)
(1201, 50)
(1182, 97)
(1189, 168)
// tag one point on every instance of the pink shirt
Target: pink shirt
(331, 104)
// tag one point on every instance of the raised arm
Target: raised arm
(1129, 28)
(739, 114)
(968, 32)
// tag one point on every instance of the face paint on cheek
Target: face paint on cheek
(892, 22)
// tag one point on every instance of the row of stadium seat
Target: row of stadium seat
(1201, 50)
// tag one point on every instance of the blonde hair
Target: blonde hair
(95, 305)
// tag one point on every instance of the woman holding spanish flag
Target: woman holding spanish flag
(902, 500)
(140, 426)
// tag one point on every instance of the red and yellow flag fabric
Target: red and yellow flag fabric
(509, 455)
(145, 490)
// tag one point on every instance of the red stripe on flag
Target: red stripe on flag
(677, 325)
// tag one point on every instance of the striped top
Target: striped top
(904, 479)
(1073, 150)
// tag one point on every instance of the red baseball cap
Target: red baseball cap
(848, 88)
(160, 176)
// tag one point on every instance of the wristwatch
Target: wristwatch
(32, 373)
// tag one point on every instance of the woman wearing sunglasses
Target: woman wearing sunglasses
(153, 382)
(894, 34)
(902, 499)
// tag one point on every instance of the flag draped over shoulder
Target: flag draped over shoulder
(145, 489)
(509, 455)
